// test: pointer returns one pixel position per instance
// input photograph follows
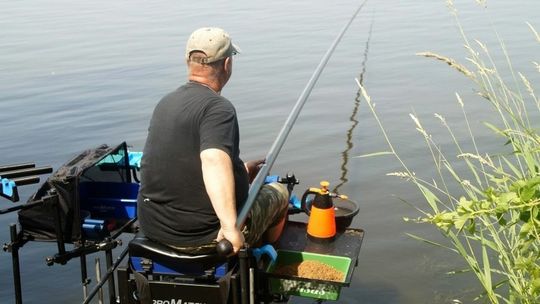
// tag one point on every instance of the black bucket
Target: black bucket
(345, 210)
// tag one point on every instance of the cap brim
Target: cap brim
(235, 49)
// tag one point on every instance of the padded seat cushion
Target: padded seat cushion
(141, 246)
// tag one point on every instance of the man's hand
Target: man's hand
(253, 167)
(233, 235)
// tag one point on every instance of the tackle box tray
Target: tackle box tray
(342, 253)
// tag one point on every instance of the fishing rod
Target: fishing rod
(285, 130)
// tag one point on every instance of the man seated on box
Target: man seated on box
(193, 182)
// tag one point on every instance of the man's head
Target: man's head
(214, 42)
(209, 52)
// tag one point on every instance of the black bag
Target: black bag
(38, 223)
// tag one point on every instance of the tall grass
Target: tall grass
(492, 220)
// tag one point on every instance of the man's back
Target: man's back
(174, 207)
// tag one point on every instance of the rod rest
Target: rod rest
(12, 176)
(16, 166)
(147, 249)
(26, 172)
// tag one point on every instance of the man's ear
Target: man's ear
(226, 64)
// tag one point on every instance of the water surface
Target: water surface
(74, 75)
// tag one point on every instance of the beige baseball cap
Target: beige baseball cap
(213, 41)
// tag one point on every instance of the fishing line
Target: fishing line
(285, 130)
(348, 137)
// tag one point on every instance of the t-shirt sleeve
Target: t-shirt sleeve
(217, 127)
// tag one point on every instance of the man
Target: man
(193, 181)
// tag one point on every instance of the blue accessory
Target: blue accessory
(266, 249)
(135, 159)
(94, 228)
(7, 187)
(295, 202)
(271, 179)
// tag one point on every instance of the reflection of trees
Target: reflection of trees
(354, 122)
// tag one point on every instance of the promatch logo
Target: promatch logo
(175, 301)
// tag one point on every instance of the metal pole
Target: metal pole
(98, 280)
(105, 278)
(285, 130)
(109, 264)
(15, 261)
(244, 275)
(84, 275)
(251, 285)
(53, 195)
(21, 207)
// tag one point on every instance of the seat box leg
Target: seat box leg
(125, 286)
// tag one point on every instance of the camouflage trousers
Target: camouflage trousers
(269, 208)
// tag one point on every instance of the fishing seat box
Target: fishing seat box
(171, 274)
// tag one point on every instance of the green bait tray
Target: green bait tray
(294, 246)
(307, 287)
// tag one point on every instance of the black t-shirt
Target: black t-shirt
(185, 122)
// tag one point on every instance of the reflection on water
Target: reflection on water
(354, 121)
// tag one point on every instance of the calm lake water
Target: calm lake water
(76, 74)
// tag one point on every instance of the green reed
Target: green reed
(493, 220)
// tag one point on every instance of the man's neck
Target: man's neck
(213, 85)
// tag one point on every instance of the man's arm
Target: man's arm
(219, 182)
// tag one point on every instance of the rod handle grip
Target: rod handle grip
(224, 248)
